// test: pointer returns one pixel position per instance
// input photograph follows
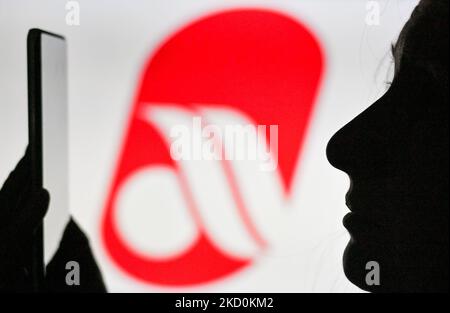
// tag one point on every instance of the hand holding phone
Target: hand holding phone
(21, 213)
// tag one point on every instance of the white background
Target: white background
(106, 53)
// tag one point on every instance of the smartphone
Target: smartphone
(48, 140)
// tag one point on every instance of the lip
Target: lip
(359, 213)
(365, 224)
(348, 194)
(348, 220)
(357, 225)
(364, 229)
(351, 218)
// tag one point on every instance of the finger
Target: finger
(19, 234)
(18, 200)
(16, 187)
(34, 211)
(17, 178)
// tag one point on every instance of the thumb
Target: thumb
(35, 210)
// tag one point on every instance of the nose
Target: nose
(362, 146)
(353, 148)
(336, 149)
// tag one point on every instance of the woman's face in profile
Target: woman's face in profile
(396, 155)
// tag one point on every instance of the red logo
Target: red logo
(252, 65)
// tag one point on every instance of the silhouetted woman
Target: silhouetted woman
(396, 155)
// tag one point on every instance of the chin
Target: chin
(401, 268)
(354, 260)
(393, 278)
